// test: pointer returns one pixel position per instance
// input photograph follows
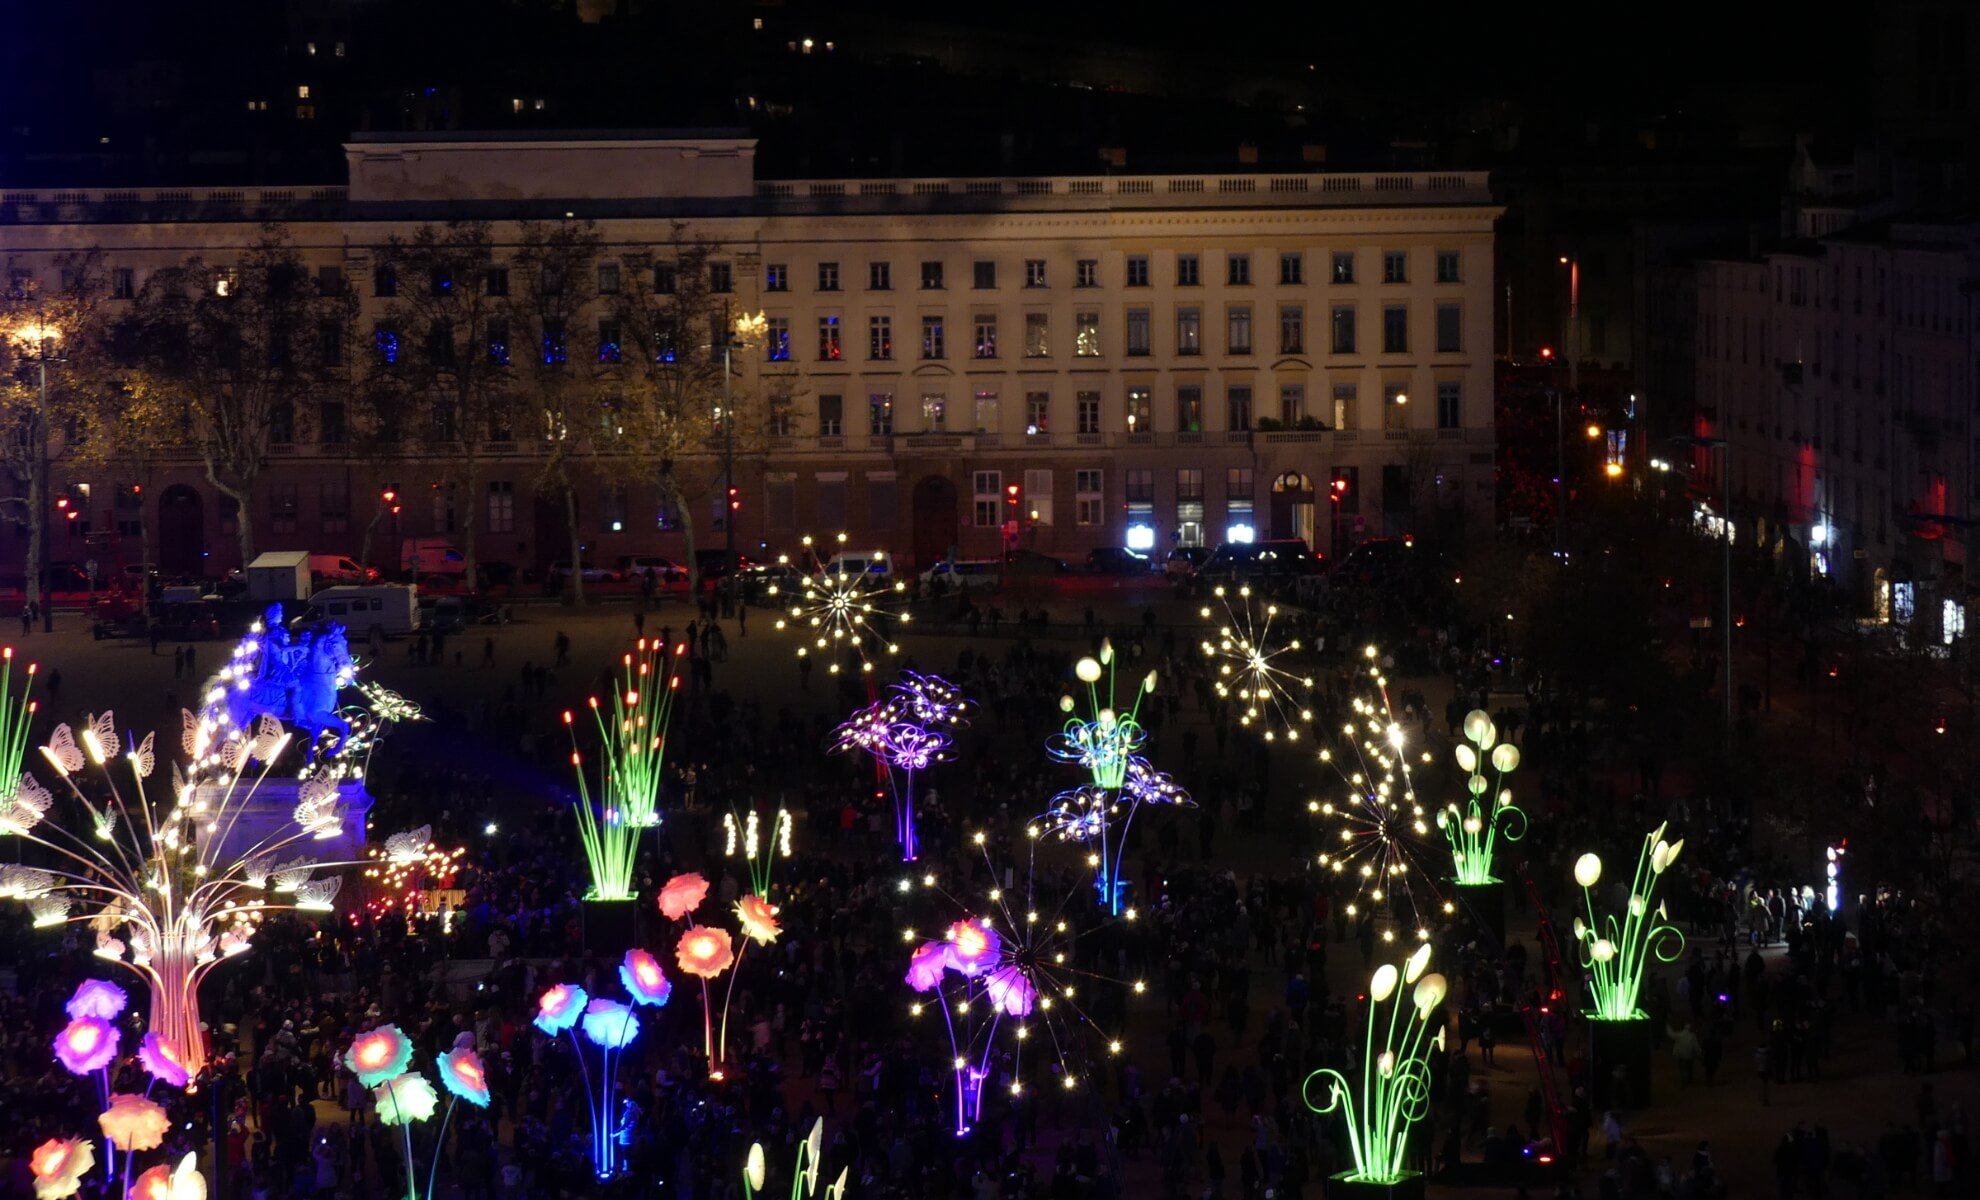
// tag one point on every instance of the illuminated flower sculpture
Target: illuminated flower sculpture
(1395, 1071)
(98, 998)
(1616, 953)
(404, 1099)
(837, 610)
(86, 1044)
(382, 1059)
(682, 895)
(624, 803)
(1015, 965)
(1377, 826)
(167, 899)
(610, 1026)
(906, 733)
(162, 1061)
(462, 1075)
(162, 1182)
(1251, 668)
(1488, 812)
(804, 1173)
(705, 952)
(643, 979)
(1104, 741)
(58, 1166)
(378, 1055)
(744, 839)
(134, 1122)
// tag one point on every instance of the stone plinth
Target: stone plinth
(1409, 1187)
(269, 816)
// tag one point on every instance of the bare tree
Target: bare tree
(560, 391)
(447, 390)
(246, 350)
(672, 424)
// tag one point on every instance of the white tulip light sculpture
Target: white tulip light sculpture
(1395, 1073)
(1616, 953)
(1487, 814)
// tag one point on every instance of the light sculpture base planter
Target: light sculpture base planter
(1485, 905)
(1407, 1187)
(1624, 1044)
(610, 926)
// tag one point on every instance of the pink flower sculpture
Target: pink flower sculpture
(86, 1044)
(682, 895)
(162, 1061)
(926, 966)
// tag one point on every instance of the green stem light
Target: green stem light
(1487, 814)
(632, 756)
(1395, 1077)
(1616, 953)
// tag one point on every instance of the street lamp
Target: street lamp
(742, 332)
(39, 341)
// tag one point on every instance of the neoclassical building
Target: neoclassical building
(1149, 361)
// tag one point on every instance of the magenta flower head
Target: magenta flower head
(379, 1054)
(161, 1059)
(98, 998)
(645, 982)
(973, 947)
(610, 1024)
(560, 1008)
(86, 1044)
(461, 1074)
(926, 967)
(1010, 991)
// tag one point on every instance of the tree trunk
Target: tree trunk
(470, 508)
(37, 515)
(671, 488)
(575, 582)
(243, 512)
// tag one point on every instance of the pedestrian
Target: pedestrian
(27, 621)
(488, 652)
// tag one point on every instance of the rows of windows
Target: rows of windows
(1338, 408)
(1138, 333)
(984, 275)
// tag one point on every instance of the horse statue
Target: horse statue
(292, 676)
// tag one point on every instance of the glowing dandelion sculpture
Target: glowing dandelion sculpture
(905, 733)
(804, 1172)
(1487, 813)
(1395, 1071)
(632, 736)
(838, 610)
(1011, 963)
(158, 879)
(1616, 953)
(1252, 668)
(1376, 828)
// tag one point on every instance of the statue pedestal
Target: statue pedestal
(1409, 1187)
(1624, 1044)
(610, 926)
(1485, 904)
(269, 816)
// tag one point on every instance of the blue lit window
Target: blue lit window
(387, 342)
(556, 346)
(608, 341)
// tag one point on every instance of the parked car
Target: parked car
(1274, 558)
(965, 575)
(771, 584)
(860, 562)
(1033, 562)
(338, 568)
(1183, 561)
(1117, 560)
(665, 570)
(589, 571)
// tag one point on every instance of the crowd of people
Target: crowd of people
(1251, 960)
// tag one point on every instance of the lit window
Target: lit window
(756, 23)
(515, 105)
(302, 91)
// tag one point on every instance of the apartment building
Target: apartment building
(1841, 372)
(952, 366)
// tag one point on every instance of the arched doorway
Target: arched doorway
(181, 531)
(937, 526)
(1292, 507)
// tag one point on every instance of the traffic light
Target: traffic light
(390, 499)
(735, 500)
(1339, 490)
(1593, 431)
(69, 509)
(1547, 352)
(1011, 494)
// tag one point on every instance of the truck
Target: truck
(279, 576)
(387, 609)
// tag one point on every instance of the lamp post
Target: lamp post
(737, 334)
(1573, 341)
(39, 342)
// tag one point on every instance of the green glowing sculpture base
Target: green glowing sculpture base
(1408, 1187)
(1619, 1062)
(610, 927)
(1484, 904)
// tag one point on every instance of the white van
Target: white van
(860, 562)
(338, 568)
(431, 556)
(390, 609)
(965, 575)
